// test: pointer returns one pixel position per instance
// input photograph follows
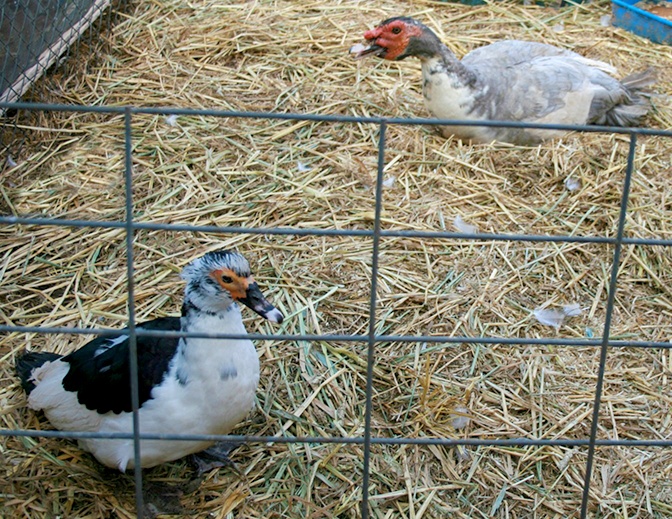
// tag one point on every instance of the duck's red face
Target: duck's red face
(389, 40)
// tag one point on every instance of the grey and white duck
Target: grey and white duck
(186, 385)
(511, 81)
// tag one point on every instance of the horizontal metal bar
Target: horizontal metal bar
(544, 341)
(330, 118)
(356, 440)
(389, 233)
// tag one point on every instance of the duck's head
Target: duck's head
(219, 278)
(397, 38)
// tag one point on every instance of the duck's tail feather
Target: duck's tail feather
(632, 110)
(27, 363)
(626, 115)
(640, 80)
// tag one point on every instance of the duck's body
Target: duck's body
(186, 385)
(511, 81)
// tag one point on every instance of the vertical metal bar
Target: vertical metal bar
(607, 323)
(132, 337)
(372, 322)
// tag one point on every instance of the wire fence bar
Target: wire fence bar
(345, 440)
(371, 339)
(604, 349)
(436, 339)
(386, 233)
(412, 121)
(132, 336)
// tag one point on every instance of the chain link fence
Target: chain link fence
(35, 34)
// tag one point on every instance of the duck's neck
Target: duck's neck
(196, 358)
(199, 317)
(441, 63)
(450, 88)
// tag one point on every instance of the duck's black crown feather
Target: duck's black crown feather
(27, 363)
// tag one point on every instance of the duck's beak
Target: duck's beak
(372, 47)
(256, 301)
(359, 51)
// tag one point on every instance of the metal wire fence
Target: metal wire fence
(371, 338)
(34, 34)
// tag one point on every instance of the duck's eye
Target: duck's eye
(226, 279)
(396, 30)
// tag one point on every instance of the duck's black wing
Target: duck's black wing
(100, 370)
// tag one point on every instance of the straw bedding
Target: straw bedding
(292, 57)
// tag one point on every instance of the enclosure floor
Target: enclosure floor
(290, 56)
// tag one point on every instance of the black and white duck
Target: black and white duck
(186, 385)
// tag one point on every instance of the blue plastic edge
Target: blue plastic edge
(641, 22)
